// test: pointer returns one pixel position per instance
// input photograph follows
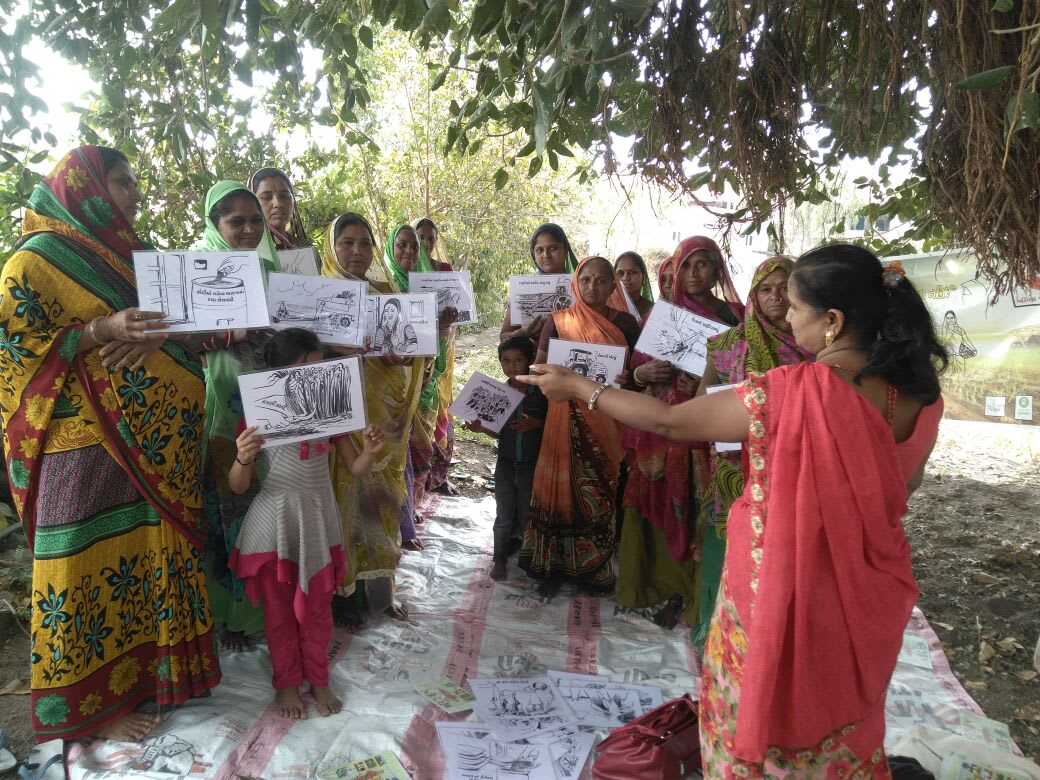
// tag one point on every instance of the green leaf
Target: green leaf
(365, 36)
(1028, 116)
(452, 136)
(987, 79)
(438, 81)
(209, 14)
(1003, 6)
(485, 17)
(543, 115)
(501, 177)
(534, 167)
(436, 20)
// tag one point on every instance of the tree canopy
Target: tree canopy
(761, 96)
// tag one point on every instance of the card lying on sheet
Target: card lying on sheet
(383, 766)
(520, 707)
(446, 694)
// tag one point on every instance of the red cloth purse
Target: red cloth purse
(664, 744)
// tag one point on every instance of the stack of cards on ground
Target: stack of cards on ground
(486, 400)
(542, 728)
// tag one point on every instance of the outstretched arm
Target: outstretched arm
(717, 417)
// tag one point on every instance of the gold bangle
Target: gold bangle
(92, 330)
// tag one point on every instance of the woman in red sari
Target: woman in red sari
(817, 585)
(656, 551)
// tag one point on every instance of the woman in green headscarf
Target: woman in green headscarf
(762, 342)
(234, 220)
(403, 254)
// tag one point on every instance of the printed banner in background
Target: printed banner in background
(994, 348)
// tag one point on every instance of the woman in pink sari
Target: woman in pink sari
(816, 547)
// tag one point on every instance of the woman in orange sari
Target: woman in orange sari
(103, 435)
(817, 585)
(569, 532)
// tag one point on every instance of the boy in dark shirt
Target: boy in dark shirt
(518, 446)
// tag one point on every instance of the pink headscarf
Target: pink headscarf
(723, 281)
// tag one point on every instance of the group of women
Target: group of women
(120, 439)
(119, 442)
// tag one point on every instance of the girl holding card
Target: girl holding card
(570, 529)
(289, 551)
(444, 433)
(406, 253)
(551, 253)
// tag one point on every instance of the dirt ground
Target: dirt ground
(973, 526)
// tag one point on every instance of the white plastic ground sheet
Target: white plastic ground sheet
(461, 624)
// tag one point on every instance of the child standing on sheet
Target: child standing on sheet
(518, 446)
(289, 551)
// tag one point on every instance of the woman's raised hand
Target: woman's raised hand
(556, 382)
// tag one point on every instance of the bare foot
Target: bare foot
(412, 545)
(447, 489)
(418, 519)
(328, 703)
(498, 571)
(668, 615)
(290, 705)
(129, 728)
(548, 588)
(346, 616)
(234, 641)
(397, 611)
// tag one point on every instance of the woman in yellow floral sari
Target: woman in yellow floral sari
(103, 426)
(373, 507)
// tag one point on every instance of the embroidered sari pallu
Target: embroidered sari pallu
(105, 471)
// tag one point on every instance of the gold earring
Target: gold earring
(828, 338)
